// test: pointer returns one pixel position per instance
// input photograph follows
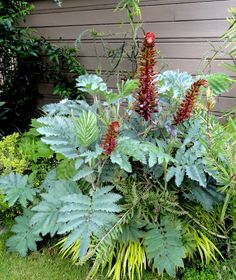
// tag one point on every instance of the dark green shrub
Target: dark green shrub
(22, 67)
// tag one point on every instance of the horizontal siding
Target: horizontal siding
(152, 13)
(184, 31)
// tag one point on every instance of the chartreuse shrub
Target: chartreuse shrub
(145, 189)
(25, 154)
(11, 160)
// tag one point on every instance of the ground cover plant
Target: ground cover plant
(141, 179)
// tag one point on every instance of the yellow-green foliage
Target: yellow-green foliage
(124, 261)
(130, 260)
(11, 159)
(71, 252)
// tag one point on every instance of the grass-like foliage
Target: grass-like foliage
(150, 186)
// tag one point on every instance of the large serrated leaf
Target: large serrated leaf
(46, 212)
(207, 197)
(60, 133)
(24, 238)
(132, 148)
(179, 175)
(92, 84)
(84, 215)
(196, 173)
(164, 246)
(122, 160)
(155, 154)
(17, 189)
(82, 173)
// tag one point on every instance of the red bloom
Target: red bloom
(109, 139)
(146, 99)
(187, 105)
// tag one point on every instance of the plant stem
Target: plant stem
(202, 226)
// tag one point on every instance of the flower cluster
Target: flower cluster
(187, 105)
(146, 99)
(109, 139)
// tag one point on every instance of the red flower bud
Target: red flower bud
(146, 99)
(109, 139)
(187, 105)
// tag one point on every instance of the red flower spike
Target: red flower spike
(109, 139)
(187, 105)
(146, 99)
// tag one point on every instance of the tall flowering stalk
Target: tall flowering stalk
(187, 105)
(146, 99)
(109, 139)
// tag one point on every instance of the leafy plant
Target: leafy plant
(11, 160)
(17, 189)
(137, 190)
(163, 245)
(25, 238)
(84, 216)
(46, 213)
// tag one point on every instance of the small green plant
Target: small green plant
(11, 160)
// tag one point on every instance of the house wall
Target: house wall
(185, 29)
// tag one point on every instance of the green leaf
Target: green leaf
(170, 173)
(66, 169)
(207, 197)
(92, 155)
(155, 154)
(60, 133)
(43, 150)
(46, 213)
(179, 175)
(92, 84)
(125, 88)
(219, 83)
(17, 189)
(122, 160)
(196, 173)
(25, 237)
(132, 148)
(82, 173)
(230, 67)
(86, 128)
(84, 215)
(131, 231)
(164, 246)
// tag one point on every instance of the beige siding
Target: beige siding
(184, 31)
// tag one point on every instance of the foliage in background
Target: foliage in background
(127, 50)
(227, 48)
(22, 67)
(230, 38)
